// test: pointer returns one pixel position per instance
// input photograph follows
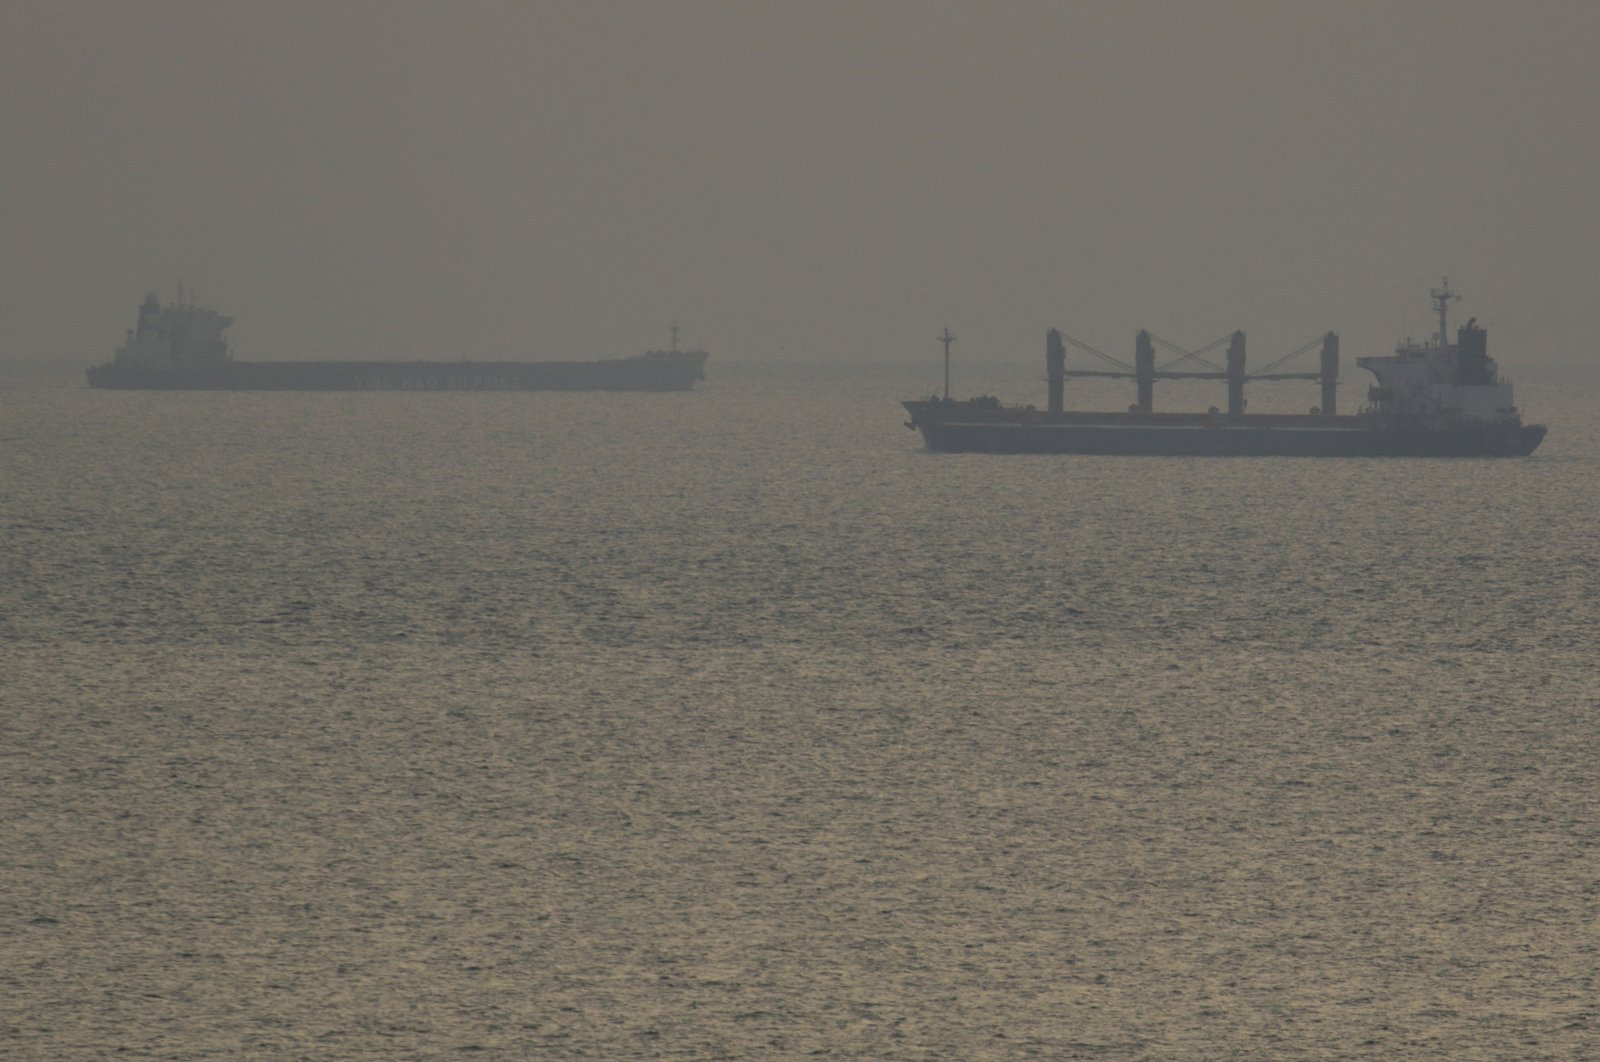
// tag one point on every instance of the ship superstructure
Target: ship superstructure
(1433, 399)
(174, 335)
(1439, 378)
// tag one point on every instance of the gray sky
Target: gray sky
(492, 178)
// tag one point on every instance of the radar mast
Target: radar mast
(947, 339)
(1442, 298)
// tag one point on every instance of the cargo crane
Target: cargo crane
(1144, 371)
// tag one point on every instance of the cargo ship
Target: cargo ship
(179, 346)
(1431, 399)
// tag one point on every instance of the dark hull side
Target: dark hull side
(667, 371)
(1184, 435)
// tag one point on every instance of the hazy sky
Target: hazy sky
(491, 178)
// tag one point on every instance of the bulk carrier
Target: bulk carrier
(179, 346)
(1433, 399)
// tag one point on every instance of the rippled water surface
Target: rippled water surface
(733, 724)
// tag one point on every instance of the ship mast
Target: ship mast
(947, 339)
(674, 335)
(1442, 298)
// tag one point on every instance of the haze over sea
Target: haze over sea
(733, 724)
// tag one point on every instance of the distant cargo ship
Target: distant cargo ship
(1434, 399)
(179, 346)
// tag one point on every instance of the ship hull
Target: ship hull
(946, 428)
(657, 371)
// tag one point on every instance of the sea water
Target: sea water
(733, 724)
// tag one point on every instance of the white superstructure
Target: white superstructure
(1440, 378)
(179, 333)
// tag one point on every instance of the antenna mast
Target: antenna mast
(947, 339)
(1442, 298)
